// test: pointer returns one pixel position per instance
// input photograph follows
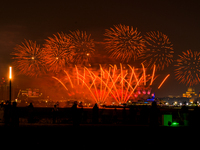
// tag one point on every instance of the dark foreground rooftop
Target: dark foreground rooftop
(96, 136)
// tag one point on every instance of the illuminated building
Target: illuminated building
(29, 94)
(190, 93)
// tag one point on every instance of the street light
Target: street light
(10, 77)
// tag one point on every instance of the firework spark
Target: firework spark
(83, 46)
(124, 42)
(57, 52)
(187, 71)
(29, 59)
(159, 50)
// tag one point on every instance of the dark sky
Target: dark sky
(37, 20)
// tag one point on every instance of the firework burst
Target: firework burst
(57, 52)
(187, 71)
(83, 46)
(124, 42)
(28, 59)
(159, 50)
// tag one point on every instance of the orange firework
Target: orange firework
(28, 59)
(83, 46)
(57, 52)
(163, 81)
(124, 42)
(159, 50)
(112, 84)
(188, 65)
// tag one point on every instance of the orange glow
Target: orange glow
(93, 83)
(100, 96)
(90, 90)
(83, 75)
(129, 83)
(69, 79)
(110, 90)
(106, 82)
(104, 91)
(134, 88)
(122, 81)
(77, 75)
(163, 81)
(113, 85)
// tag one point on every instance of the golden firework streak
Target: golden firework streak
(144, 74)
(61, 82)
(163, 81)
(154, 68)
(69, 79)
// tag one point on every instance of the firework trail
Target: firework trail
(158, 51)
(28, 59)
(83, 46)
(187, 71)
(163, 81)
(57, 52)
(124, 42)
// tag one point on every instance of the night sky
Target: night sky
(37, 20)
